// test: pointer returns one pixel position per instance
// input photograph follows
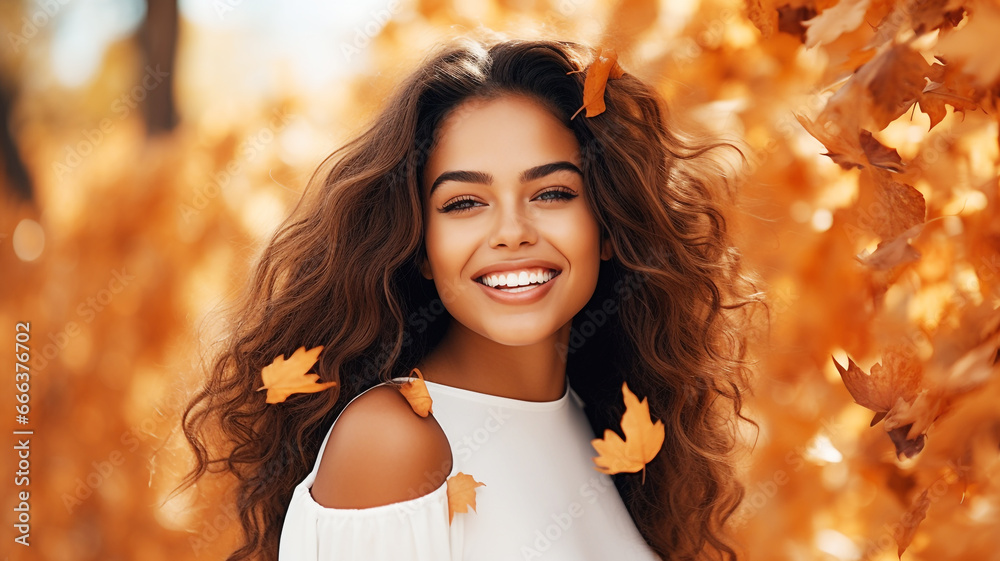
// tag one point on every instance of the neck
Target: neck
(465, 359)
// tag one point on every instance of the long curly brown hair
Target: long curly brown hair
(342, 271)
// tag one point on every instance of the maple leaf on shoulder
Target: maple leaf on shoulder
(415, 392)
(461, 493)
(284, 377)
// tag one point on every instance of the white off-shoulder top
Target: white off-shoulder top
(542, 497)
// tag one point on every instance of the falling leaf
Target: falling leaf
(415, 392)
(643, 440)
(898, 376)
(911, 520)
(844, 150)
(892, 392)
(283, 377)
(946, 86)
(895, 252)
(461, 493)
(833, 22)
(604, 67)
(880, 155)
(894, 79)
(931, 104)
(886, 207)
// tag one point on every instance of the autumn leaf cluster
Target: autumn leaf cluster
(906, 101)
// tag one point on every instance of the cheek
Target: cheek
(447, 250)
(580, 235)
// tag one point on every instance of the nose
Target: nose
(512, 228)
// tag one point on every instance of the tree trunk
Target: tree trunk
(15, 173)
(158, 40)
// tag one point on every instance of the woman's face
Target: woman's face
(504, 203)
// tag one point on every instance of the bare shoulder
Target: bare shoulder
(381, 452)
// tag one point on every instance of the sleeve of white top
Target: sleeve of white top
(411, 530)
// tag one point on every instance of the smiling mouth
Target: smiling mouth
(518, 282)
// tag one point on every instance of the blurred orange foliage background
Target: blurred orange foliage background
(152, 150)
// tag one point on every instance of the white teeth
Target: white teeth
(517, 281)
(518, 289)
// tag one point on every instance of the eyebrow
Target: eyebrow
(484, 178)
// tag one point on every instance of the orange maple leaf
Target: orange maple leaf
(461, 493)
(643, 439)
(898, 376)
(905, 205)
(283, 377)
(892, 391)
(605, 66)
(415, 391)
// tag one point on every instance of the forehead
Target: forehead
(505, 135)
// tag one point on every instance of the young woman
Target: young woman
(525, 261)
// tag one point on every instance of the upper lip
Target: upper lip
(515, 265)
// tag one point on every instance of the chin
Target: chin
(518, 337)
(517, 342)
